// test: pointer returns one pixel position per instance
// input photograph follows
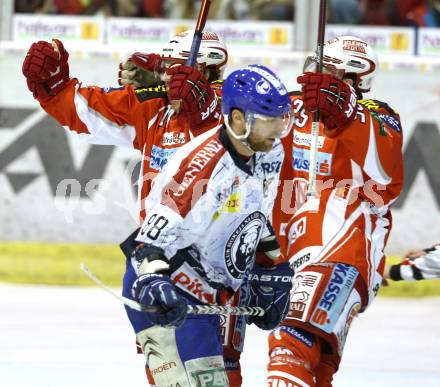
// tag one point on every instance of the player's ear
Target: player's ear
(238, 121)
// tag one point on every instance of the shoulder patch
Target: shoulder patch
(383, 112)
(379, 106)
(159, 91)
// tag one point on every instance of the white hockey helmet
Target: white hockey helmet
(212, 53)
(348, 56)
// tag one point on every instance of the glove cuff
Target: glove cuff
(155, 266)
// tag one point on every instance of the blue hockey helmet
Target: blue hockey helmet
(259, 94)
(256, 89)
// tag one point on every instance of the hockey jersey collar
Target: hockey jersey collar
(238, 160)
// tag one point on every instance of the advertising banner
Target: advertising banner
(68, 28)
(156, 32)
(385, 40)
(428, 41)
(141, 32)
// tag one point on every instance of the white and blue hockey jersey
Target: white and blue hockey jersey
(208, 210)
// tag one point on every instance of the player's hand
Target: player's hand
(46, 68)
(335, 99)
(139, 70)
(198, 100)
(270, 289)
(158, 290)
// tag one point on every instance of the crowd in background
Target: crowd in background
(367, 12)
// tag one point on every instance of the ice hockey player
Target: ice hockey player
(137, 71)
(335, 240)
(207, 229)
(141, 119)
(417, 265)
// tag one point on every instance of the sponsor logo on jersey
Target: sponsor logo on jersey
(305, 139)
(304, 286)
(271, 167)
(334, 297)
(392, 122)
(300, 261)
(186, 279)
(297, 229)
(159, 157)
(233, 203)
(301, 161)
(163, 367)
(207, 371)
(210, 378)
(303, 336)
(173, 138)
(241, 245)
(151, 349)
(197, 163)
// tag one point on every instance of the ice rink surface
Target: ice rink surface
(80, 337)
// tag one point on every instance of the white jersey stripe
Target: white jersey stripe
(102, 131)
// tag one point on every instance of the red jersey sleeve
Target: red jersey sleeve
(103, 116)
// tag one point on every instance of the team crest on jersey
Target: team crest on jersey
(241, 246)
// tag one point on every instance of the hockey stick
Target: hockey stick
(198, 33)
(192, 309)
(311, 186)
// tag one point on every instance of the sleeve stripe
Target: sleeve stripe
(190, 181)
(417, 274)
(102, 131)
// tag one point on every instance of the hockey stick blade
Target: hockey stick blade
(192, 309)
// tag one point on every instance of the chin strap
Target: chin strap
(240, 137)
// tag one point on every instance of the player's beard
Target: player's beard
(260, 144)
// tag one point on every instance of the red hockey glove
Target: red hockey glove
(335, 99)
(139, 69)
(199, 102)
(148, 62)
(46, 69)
